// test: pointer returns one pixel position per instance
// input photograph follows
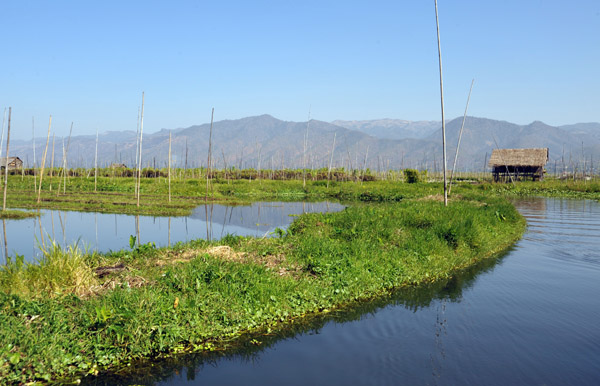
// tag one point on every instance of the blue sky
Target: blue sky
(88, 62)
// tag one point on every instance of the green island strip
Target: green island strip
(76, 313)
(13, 214)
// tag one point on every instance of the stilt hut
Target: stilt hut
(14, 163)
(518, 164)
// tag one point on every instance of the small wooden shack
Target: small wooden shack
(14, 163)
(518, 164)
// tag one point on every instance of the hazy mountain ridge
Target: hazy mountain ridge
(272, 143)
(392, 128)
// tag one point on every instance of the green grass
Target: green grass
(17, 214)
(191, 297)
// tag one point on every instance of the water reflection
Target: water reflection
(187, 367)
(529, 317)
(105, 232)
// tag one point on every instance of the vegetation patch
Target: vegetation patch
(77, 313)
(17, 214)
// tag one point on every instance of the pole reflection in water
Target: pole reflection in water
(527, 317)
(105, 232)
(5, 243)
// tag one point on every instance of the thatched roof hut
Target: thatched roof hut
(13, 163)
(518, 164)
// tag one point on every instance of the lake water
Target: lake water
(528, 318)
(105, 232)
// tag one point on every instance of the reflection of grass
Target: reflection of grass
(17, 214)
(197, 297)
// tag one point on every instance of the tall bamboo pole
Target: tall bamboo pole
(462, 126)
(52, 162)
(304, 153)
(437, 23)
(212, 115)
(33, 145)
(64, 171)
(331, 159)
(2, 139)
(6, 163)
(137, 149)
(96, 164)
(169, 172)
(44, 160)
(140, 159)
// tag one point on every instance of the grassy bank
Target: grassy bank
(108, 310)
(117, 195)
(547, 188)
(17, 214)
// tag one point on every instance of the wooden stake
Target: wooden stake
(212, 115)
(6, 162)
(140, 159)
(137, 149)
(304, 153)
(64, 171)
(169, 173)
(2, 139)
(96, 164)
(33, 143)
(462, 126)
(442, 103)
(44, 160)
(52, 163)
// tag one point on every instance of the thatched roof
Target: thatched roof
(519, 157)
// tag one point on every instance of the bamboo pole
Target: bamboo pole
(462, 126)
(64, 171)
(6, 163)
(2, 139)
(304, 153)
(437, 23)
(169, 173)
(140, 159)
(44, 160)
(33, 145)
(331, 159)
(52, 162)
(96, 164)
(212, 115)
(137, 149)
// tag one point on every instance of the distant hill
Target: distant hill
(274, 143)
(392, 128)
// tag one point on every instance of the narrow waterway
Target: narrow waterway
(528, 318)
(104, 232)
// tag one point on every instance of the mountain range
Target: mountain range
(267, 142)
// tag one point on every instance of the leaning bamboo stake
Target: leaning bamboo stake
(442, 103)
(462, 126)
(64, 171)
(44, 160)
(6, 162)
(52, 163)
(503, 160)
(140, 159)
(169, 172)
(96, 164)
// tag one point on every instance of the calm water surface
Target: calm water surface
(105, 232)
(528, 318)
